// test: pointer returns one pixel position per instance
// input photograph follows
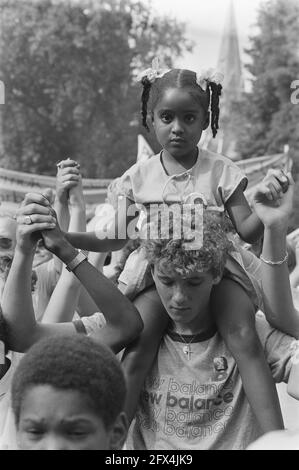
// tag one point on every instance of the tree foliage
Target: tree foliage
(68, 69)
(269, 119)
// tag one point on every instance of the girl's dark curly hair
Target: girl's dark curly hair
(181, 78)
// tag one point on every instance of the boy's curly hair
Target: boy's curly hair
(174, 255)
(74, 363)
(181, 78)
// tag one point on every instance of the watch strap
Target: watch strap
(79, 258)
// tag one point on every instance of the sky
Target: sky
(205, 21)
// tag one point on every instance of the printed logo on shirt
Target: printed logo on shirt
(196, 410)
(187, 410)
(190, 407)
(152, 404)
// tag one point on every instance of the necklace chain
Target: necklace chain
(187, 348)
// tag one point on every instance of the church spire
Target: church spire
(229, 61)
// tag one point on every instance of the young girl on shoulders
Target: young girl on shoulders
(180, 105)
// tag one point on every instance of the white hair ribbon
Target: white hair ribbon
(207, 76)
(154, 72)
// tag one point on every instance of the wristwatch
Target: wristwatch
(79, 258)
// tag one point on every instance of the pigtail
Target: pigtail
(144, 100)
(215, 111)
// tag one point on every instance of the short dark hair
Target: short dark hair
(181, 78)
(73, 363)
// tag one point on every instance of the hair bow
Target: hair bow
(210, 75)
(154, 72)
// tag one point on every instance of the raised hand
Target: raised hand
(34, 215)
(276, 182)
(68, 176)
(274, 209)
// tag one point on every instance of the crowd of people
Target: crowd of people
(178, 341)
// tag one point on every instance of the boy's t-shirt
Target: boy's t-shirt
(200, 403)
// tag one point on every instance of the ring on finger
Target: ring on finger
(28, 220)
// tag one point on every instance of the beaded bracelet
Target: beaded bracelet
(274, 263)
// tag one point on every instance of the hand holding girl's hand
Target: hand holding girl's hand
(35, 214)
(274, 211)
(67, 177)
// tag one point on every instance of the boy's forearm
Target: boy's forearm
(279, 307)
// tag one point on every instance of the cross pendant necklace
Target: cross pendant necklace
(187, 351)
(187, 348)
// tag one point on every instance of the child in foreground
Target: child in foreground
(68, 393)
